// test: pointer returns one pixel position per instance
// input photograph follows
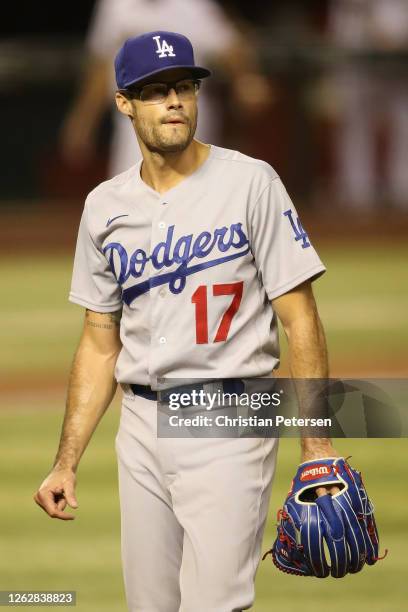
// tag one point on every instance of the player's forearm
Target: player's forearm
(307, 347)
(93, 97)
(309, 369)
(91, 389)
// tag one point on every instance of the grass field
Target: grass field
(363, 303)
(84, 555)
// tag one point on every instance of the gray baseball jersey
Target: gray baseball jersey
(195, 268)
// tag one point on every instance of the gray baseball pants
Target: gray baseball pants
(193, 512)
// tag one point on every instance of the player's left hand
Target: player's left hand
(315, 449)
(327, 503)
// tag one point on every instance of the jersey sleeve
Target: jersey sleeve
(93, 284)
(282, 250)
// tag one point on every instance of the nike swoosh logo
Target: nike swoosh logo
(114, 219)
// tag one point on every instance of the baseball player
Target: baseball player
(183, 264)
(111, 23)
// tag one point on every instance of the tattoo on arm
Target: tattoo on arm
(100, 325)
(113, 319)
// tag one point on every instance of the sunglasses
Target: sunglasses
(155, 93)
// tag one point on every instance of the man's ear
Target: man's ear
(124, 105)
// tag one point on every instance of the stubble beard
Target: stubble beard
(165, 138)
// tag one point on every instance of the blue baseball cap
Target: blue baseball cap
(152, 53)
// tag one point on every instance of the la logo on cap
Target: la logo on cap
(163, 48)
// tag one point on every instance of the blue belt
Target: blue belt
(228, 385)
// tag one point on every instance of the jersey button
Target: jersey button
(164, 203)
(162, 340)
(162, 225)
(162, 292)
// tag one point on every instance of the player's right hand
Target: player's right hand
(56, 492)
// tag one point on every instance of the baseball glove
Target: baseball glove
(344, 523)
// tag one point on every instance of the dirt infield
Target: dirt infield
(29, 385)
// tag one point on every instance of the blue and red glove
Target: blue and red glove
(343, 521)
